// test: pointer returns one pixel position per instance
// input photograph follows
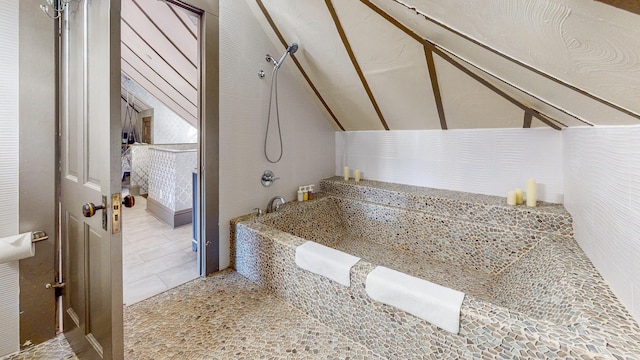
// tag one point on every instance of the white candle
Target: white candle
(346, 173)
(531, 193)
(519, 197)
(511, 197)
(356, 175)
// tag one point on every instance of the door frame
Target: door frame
(209, 152)
(209, 134)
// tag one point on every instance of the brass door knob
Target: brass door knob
(89, 209)
(128, 201)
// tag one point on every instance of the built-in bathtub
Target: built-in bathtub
(529, 289)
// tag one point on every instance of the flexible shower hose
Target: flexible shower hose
(274, 88)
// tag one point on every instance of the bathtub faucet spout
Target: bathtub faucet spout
(270, 205)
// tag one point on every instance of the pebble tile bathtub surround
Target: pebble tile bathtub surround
(530, 290)
(488, 209)
(477, 246)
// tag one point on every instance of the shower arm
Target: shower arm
(290, 50)
(270, 59)
(276, 63)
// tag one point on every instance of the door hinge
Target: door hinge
(57, 287)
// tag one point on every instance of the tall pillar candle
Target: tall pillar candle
(346, 173)
(356, 175)
(531, 193)
(511, 197)
(519, 197)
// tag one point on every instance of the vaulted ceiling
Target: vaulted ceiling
(159, 51)
(428, 64)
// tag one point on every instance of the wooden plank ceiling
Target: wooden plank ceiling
(159, 52)
(388, 65)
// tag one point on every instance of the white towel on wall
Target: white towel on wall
(434, 303)
(326, 261)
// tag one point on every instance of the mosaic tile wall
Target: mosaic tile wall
(551, 303)
(140, 162)
(170, 181)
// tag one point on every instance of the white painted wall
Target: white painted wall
(486, 161)
(602, 192)
(309, 147)
(9, 296)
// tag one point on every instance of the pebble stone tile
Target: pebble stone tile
(531, 293)
(530, 290)
(225, 316)
(55, 349)
(548, 217)
(478, 246)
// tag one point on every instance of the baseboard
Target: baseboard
(168, 216)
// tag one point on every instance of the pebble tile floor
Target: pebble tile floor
(223, 316)
(55, 349)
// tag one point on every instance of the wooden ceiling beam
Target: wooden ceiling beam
(517, 88)
(131, 72)
(354, 61)
(432, 47)
(159, 76)
(431, 66)
(520, 63)
(191, 61)
(182, 21)
(528, 118)
(141, 38)
(284, 43)
(547, 120)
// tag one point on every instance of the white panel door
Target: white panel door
(90, 172)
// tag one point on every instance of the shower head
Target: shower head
(290, 50)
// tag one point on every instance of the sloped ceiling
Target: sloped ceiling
(629, 5)
(137, 104)
(427, 64)
(159, 51)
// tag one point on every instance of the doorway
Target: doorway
(90, 247)
(160, 45)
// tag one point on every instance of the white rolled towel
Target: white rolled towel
(16, 247)
(434, 303)
(326, 261)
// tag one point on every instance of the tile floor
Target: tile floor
(155, 257)
(223, 316)
(55, 349)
